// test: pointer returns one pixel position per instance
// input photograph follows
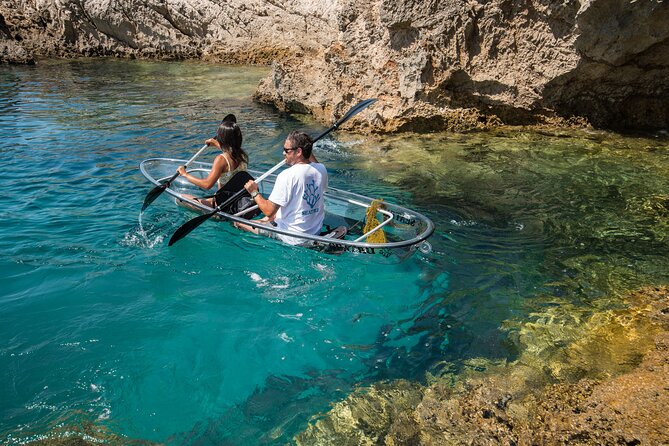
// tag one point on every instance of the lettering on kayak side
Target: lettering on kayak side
(385, 252)
(405, 218)
(335, 247)
(356, 249)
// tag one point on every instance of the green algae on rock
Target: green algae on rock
(603, 380)
(368, 416)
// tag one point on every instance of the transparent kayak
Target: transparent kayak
(405, 230)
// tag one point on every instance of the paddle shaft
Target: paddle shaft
(156, 191)
(354, 110)
(191, 224)
(188, 163)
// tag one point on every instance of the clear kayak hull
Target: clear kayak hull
(406, 230)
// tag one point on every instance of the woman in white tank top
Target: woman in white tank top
(233, 159)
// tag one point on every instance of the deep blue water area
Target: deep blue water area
(230, 338)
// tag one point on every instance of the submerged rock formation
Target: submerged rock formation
(602, 381)
(435, 64)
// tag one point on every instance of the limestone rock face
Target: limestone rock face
(433, 64)
(12, 51)
(233, 31)
(451, 64)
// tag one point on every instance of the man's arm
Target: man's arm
(267, 207)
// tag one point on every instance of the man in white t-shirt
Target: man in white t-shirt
(297, 199)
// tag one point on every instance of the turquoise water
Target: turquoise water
(227, 338)
(102, 321)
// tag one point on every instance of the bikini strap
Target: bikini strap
(227, 161)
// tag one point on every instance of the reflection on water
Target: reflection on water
(230, 338)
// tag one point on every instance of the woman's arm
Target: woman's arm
(220, 166)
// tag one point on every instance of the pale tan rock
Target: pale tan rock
(12, 52)
(433, 65)
(436, 65)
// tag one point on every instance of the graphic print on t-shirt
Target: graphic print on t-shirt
(311, 195)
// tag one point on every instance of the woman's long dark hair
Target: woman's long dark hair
(229, 136)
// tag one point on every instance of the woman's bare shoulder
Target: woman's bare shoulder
(229, 161)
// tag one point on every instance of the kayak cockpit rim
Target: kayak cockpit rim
(349, 197)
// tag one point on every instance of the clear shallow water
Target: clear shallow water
(229, 338)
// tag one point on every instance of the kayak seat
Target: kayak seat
(234, 185)
(337, 233)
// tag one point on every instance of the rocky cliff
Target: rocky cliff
(433, 64)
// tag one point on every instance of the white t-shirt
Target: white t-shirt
(300, 192)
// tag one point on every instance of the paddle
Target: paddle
(156, 191)
(187, 227)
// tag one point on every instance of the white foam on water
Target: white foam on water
(464, 223)
(333, 148)
(141, 238)
(280, 282)
(296, 316)
(284, 337)
(282, 286)
(257, 278)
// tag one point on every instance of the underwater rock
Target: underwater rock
(580, 380)
(379, 414)
(81, 434)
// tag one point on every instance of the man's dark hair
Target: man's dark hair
(301, 140)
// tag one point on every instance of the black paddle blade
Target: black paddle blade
(153, 194)
(355, 110)
(187, 227)
(156, 191)
(360, 106)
